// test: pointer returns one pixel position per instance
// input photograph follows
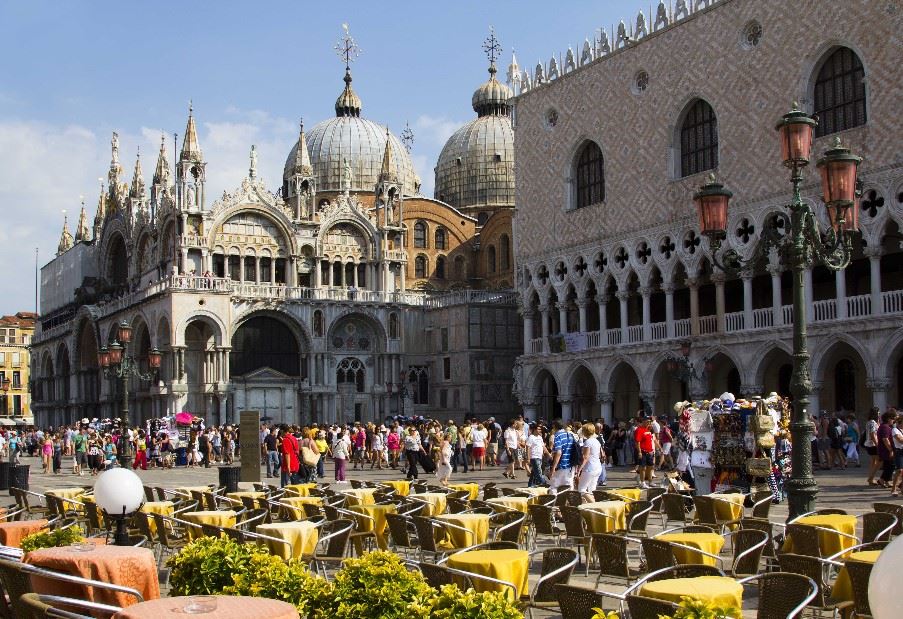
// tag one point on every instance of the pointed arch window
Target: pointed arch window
(840, 93)
(420, 266)
(589, 186)
(420, 235)
(698, 139)
(505, 251)
(490, 259)
(441, 238)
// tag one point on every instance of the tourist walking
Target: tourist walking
(536, 450)
(412, 450)
(588, 472)
(340, 451)
(444, 469)
(562, 472)
(871, 445)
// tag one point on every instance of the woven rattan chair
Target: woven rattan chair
(762, 502)
(557, 566)
(436, 575)
(657, 554)
(748, 545)
(456, 506)
(613, 558)
(892, 508)
(575, 532)
(426, 537)
(643, 607)
(782, 595)
(687, 570)
(400, 533)
(877, 527)
(705, 512)
(638, 517)
(332, 546)
(805, 539)
(568, 498)
(510, 527)
(578, 602)
(172, 535)
(14, 583)
(491, 493)
(769, 552)
(542, 519)
(674, 508)
(860, 572)
(816, 569)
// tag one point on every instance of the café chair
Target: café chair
(782, 595)
(578, 602)
(332, 547)
(402, 533)
(37, 606)
(892, 508)
(436, 575)
(878, 526)
(818, 570)
(613, 557)
(675, 508)
(542, 519)
(575, 531)
(556, 569)
(860, 572)
(642, 606)
(638, 517)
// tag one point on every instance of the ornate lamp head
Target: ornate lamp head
(839, 168)
(795, 129)
(712, 201)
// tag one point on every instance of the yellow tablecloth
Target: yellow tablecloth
(728, 506)
(631, 494)
(302, 535)
(509, 565)
(711, 543)
(217, 518)
(508, 503)
(717, 590)
(474, 489)
(299, 489)
(166, 508)
(477, 526)
(293, 506)
(435, 502)
(537, 491)
(843, 587)
(237, 496)
(616, 510)
(378, 524)
(402, 486)
(830, 542)
(360, 496)
(68, 493)
(187, 490)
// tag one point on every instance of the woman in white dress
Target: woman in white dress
(591, 468)
(443, 471)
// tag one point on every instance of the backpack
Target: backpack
(576, 452)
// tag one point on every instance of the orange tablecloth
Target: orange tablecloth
(227, 607)
(11, 533)
(118, 565)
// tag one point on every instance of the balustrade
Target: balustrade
(763, 318)
(708, 324)
(860, 305)
(825, 310)
(659, 330)
(734, 321)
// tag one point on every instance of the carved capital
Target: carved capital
(565, 399)
(752, 390)
(605, 398)
(878, 384)
(668, 288)
(692, 283)
(646, 291)
(872, 251)
(622, 295)
(544, 309)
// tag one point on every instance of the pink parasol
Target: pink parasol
(184, 418)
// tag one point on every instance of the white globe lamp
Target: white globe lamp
(119, 493)
(884, 583)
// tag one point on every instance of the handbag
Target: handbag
(308, 456)
(763, 423)
(765, 441)
(758, 467)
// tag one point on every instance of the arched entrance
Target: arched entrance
(200, 346)
(117, 267)
(88, 381)
(546, 391)
(351, 380)
(843, 377)
(723, 375)
(583, 392)
(668, 390)
(624, 385)
(357, 343)
(777, 369)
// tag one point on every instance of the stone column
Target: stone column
(874, 256)
(562, 316)
(566, 407)
(693, 285)
(257, 270)
(747, 299)
(581, 310)
(623, 295)
(776, 309)
(528, 331)
(718, 278)
(603, 318)
(879, 388)
(529, 406)
(355, 275)
(344, 276)
(403, 268)
(668, 288)
(606, 400)
(545, 318)
(646, 292)
(318, 273)
(840, 283)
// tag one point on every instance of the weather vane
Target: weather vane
(491, 46)
(407, 137)
(347, 49)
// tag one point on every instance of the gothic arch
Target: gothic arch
(268, 212)
(589, 152)
(685, 108)
(295, 326)
(826, 348)
(813, 61)
(762, 354)
(213, 320)
(380, 337)
(571, 374)
(891, 355)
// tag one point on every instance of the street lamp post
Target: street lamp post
(118, 364)
(797, 233)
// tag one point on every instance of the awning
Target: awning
(7, 422)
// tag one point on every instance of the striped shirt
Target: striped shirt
(563, 443)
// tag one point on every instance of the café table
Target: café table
(628, 494)
(830, 542)
(508, 565)
(224, 518)
(510, 503)
(227, 607)
(252, 494)
(165, 508)
(711, 543)
(533, 492)
(303, 536)
(126, 566)
(473, 489)
(728, 506)
(293, 507)
(376, 521)
(74, 493)
(299, 489)
(614, 519)
(11, 533)
(435, 502)
(477, 526)
(187, 490)
(359, 496)
(402, 487)
(716, 590)
(843, 586)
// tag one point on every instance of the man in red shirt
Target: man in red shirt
(290, 462)
(645, 446)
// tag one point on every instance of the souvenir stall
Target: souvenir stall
(735, 442)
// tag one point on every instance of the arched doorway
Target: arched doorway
(583, 392)
(843, 377)
(200, 346)
(546, 390)
(624, 385)
(776, 372)
(351, 379)
(723, 375)
(359, 337)
(88, 381)
(668, 389)
(117, 267)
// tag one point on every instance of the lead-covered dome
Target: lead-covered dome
(476, 166)
(362, 142)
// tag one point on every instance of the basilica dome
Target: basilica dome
(476, 166)
(362, 142)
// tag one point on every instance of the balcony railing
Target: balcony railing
(734, 321)
(861, 305)
(892, 301)
(763, 318)
(659, 330)
(825, 310)
(708, 324)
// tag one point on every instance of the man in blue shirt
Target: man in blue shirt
(562, 473)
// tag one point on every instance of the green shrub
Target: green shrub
(52, 539)
(695, 609)
(452, 603)
(270, 577)
(378, 585)
(207, 565)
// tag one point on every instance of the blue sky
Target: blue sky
(75, 71)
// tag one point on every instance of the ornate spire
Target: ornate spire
(101, 213)
(191, 149)
(348, 103)
(115, 166)
(252, 169)
(137, 189)
(302, 155)
(81, 230)
(389, 171)
(162, 173)
(65, 238)
(491, 98)
(493, 49)
(514, 79)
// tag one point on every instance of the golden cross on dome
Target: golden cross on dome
(491, 46)
(347, 49)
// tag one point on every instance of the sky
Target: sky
(72, 72)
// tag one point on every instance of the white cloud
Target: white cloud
(435, 130)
